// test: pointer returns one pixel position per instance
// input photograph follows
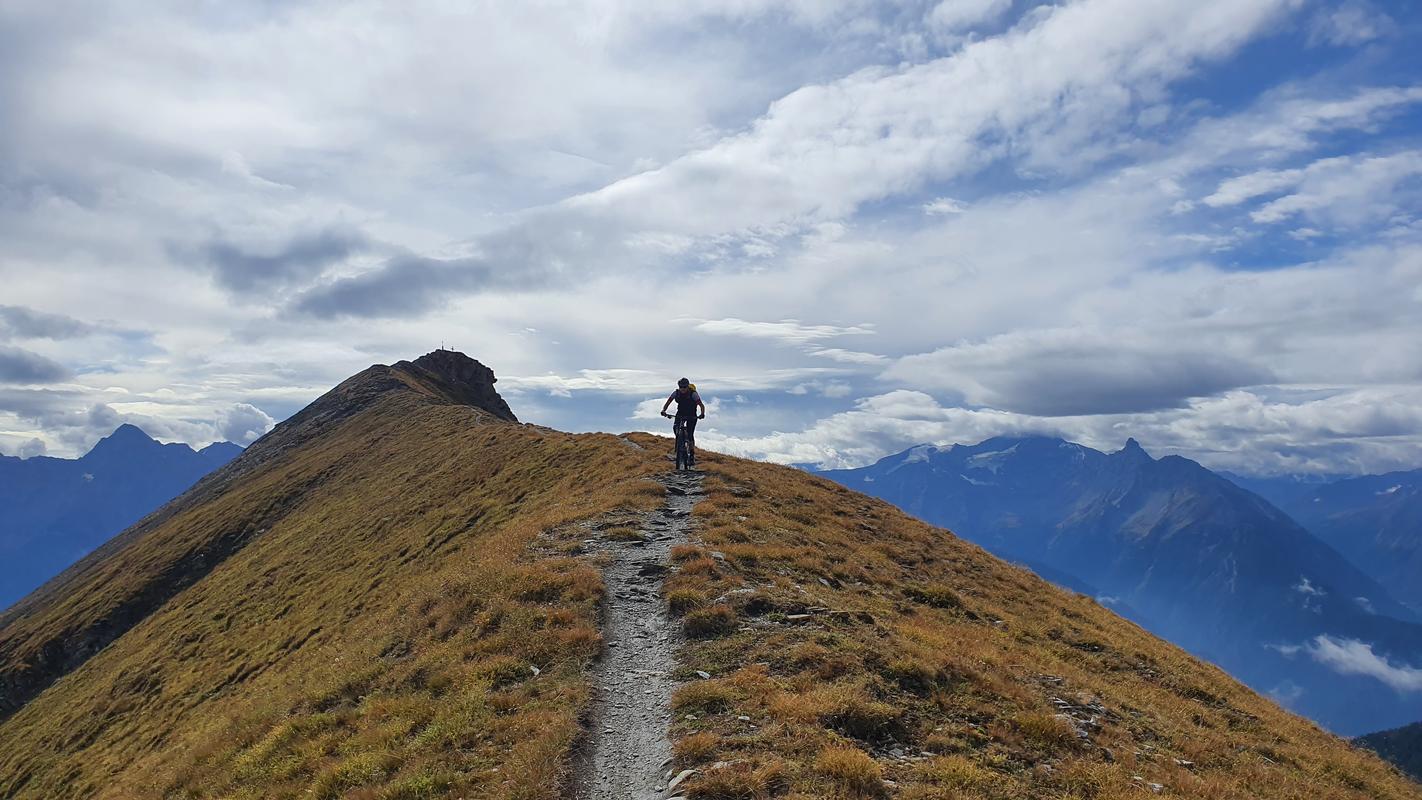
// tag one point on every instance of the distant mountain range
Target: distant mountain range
(56, 510)
(1186, 553)
(1374, 520)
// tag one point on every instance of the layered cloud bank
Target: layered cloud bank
(857, 226)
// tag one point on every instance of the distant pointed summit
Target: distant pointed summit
(1134, 451)
(124, 437)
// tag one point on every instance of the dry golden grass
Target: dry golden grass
(871, 647)
(850, 771)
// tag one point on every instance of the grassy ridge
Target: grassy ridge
(856, 652)
(375, 637)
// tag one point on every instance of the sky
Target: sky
(857, 226)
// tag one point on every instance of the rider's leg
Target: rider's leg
(691, 439)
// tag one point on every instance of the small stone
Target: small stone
(703, 674)
(743, 718)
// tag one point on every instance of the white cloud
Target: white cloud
(1349, 23)
(1353, 657)
(955, 16)
(22, 448)
(1236, 190)
(648, 409)
(790, 331)
(824, 150)
(1348, 191)
(243, 423)
(944, 205)
(847, 356)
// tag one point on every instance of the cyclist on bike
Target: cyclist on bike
(689, 409)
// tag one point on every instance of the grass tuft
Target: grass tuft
(707, 623)
(851, 771)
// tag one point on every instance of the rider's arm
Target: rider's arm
(700, 405)
(666, 405)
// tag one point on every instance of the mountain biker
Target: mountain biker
(689, 409)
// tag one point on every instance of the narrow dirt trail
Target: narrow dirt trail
(629, 748)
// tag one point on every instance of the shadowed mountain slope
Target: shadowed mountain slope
(392, 596)
(1374, 520)
(58, 509)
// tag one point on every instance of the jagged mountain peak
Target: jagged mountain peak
(445, 377)
(455, 377)
(441, 377)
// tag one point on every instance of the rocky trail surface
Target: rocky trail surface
(629, 750)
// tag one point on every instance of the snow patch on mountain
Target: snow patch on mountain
(992, 461)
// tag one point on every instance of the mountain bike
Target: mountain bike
(684, 456)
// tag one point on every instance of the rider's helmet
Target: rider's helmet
(683, 384)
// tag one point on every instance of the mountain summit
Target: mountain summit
(401, 592)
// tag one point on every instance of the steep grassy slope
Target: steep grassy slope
(390, 597)
(377, 624)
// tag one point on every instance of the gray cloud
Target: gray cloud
(31, 448)
(1065, 373)
(407, 286)
(35, 404)
(243, 423)
(26, 323)
(246, 269)
(22, 366)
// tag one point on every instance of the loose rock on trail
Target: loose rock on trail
(628, 749)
